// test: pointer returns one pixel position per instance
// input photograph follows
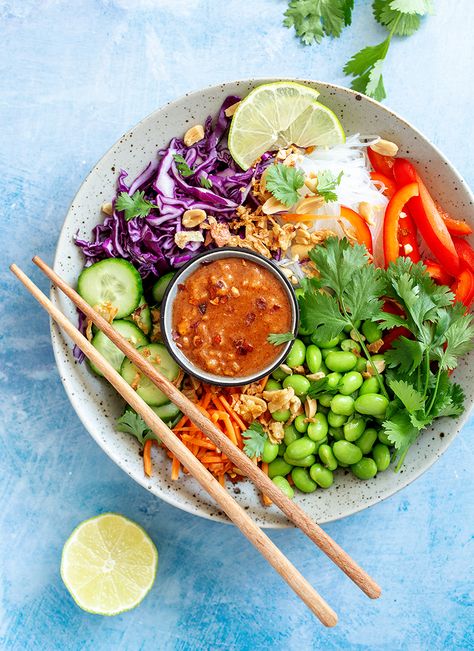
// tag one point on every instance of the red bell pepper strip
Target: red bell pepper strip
(358, 223)
(392, 216)
(390, 187)
(463, 288)
(437, 273)
(456, 226)
(391, 335)
(465, 252)
(407, 238)
(427, 217)
(381, 164)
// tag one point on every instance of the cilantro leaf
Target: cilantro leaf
(336, 261)
(405, 354)
(411, 398)
(375, 87)
(361, 294)
(314, 19)
(131, 423)
(459, 341)
(327, 183)
(320, 386)
(320, 314)
(276, 338)
(450, 399)
(420, 7)
(366, 58)
(134, 206)
(183, 167)
(205, 182)
(284, 182)
(254, 440)
(401, 433)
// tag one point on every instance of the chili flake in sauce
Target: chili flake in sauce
(223, 313)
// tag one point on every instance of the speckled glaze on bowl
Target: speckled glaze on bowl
(98, 405)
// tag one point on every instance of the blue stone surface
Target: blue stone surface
(74, 77)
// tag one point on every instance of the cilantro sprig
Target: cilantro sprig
(284, 182)
(254, 440)
(277, 338)
(134, 206)
(133, 424)
(183, 167)
(327, 184)
(314, 19)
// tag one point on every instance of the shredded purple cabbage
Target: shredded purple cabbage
(148, 242)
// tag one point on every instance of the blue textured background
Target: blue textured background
(74, 77)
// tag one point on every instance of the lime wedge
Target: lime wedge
(108, 564)
(278, 115)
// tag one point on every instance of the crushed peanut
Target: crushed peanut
(308, 205)
(310, 407)
(272, 206)
(367, 212)
(193, 217)
(193, 135)
(107, 208)
(250, 407)
(385, 147)
(184, 237)
(230, 110)
(275, 431)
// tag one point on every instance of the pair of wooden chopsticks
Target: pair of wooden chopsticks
(232, 509)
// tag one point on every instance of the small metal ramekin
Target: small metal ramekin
(167, 309)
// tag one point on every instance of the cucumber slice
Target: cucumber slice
(114, 281)
(167, 412)
(159, 356)
(159, 288)
(141, 316)
(110, 351)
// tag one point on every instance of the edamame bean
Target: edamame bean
(303, 481)
(365, 468)
(301, 424)
(327, 457)
(318, 429)
(301, 448)
(272, 385)
(343, 405)
(281, 449)
(279, 375)
(281, 415)
(333, 380)
(324, 399)
(350, 382)
(325, 351)
(322, 476)
(291, 434)
(383, 438)
(336, 420)
(346, 452)
(299, 292)
(348, 327)
(284, 486)
(366, 441)
(337, 433)
(372, 404)
(270, 451)
(361, 365)
(297, 382)
(351, 346)
(324, 343)
(313, 358)
(297, 354)
(323, 368)
(278, 467)
(322, 409)
(370, 385)
(371, 331)
(354, 428)
(305, 462)
(381, 455)
(341, 361)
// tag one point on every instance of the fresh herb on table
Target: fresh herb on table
(183, 167)
(284, 182)
(254, 440)
(327, 184)
(133, 424)
(314, 19)
(133, 206)
(276, 338)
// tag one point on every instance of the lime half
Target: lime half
(108, 564)
(278, 115)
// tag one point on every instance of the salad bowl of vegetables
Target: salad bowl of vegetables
(370, 225)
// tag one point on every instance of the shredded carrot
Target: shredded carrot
(266, 500)
(294, 217)
(221, 480)
(211, 458)
(232, 413)
(175, 467)
(263, 382)
(147, 457)
(199, 442)
(225, 418)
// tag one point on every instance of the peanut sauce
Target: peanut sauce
(223, 313)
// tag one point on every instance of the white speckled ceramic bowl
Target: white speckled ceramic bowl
(98, 405)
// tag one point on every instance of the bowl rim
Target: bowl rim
(60, 360)
(166, 309)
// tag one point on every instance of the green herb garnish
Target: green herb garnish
(205, 182)
(133, 424)
(276, 338)
(254, 440)
(183, 167)
(284, 182)
(327, 183)
(314, 19)
(134, 206)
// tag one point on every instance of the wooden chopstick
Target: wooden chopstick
(236, 513)
(293, 512)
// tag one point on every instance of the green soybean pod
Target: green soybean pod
(324, 343)
(299, 383)
(270, 451)
(321, 475)
(383, 438)
(337, 433)
(305, 462)
(297, 354)
(326, 351)
(291, 434)
(350, 383)
(324, 399)
(341, 361)
(301, 448)
(284, 486)
(354, 428)
(351, 346)
(278, 467)
(372, 404)
(381, 455)
(342, 405)
(318, 428)
(366, 441)
(303, 481)
(313, 358)
(301, 424)
(327, 457)
(279, 375)
(365, 468)
(333, 380)
(370, 385)
(346, 452)
(281, 415)
(371, 331)
(361, 365)
(336, 420)
(323, 368)
(272, 385)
